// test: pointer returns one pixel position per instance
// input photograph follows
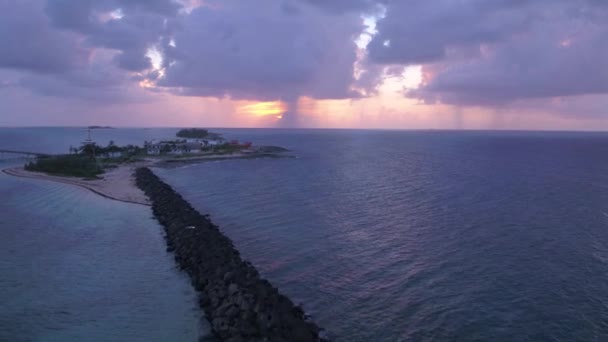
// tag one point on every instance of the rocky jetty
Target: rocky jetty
(239, 304)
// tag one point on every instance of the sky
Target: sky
(389, 64)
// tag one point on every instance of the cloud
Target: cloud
(420, 31)
(259, 51)
(473, 52)
(133, 60)
(343, 6)
(496, 52)
(99, 82)
(28, 43)
(528, 67)
(84, 49)
(129, 26)
(278, 49)
(86, 15)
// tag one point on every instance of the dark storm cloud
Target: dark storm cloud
(81, 15)
(142, 24)
(496, 52)
(133, 60)
(28, 43)
(528, 68)
(75, 48)
(99, 82)
(474, 52)
(256, 50)
(241, 49)
(280, 49)
(342, 6)
(421, 31)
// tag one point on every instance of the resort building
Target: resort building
(173, 147)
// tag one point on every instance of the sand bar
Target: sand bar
(117, 184)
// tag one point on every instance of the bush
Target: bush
(192, 133)
(66, 165)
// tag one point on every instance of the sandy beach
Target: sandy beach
(117, 184)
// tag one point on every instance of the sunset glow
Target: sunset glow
(337, 64)
(261, 109)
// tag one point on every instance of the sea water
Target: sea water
(78, 267)
(423, 236)
(381, 235)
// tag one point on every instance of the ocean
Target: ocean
(78, 267)
(381, 235)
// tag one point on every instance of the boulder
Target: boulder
(240, 305)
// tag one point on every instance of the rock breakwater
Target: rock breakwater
(239, 304)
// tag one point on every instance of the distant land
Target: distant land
(106, 170)
(197, 133)
(100, 127)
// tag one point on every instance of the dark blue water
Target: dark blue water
(383, 236)
(419, 236)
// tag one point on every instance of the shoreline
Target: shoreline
(118, 184)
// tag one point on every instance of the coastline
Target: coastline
(117, 184)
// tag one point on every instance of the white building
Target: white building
(177, 147)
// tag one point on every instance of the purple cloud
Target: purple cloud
(257, 50)
(343, 6)
(75, 49)
(28, 43)
(476, 52)
(497, 52)
(142, 24)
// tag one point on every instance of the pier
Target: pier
(15, 155)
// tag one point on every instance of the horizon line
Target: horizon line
(321, 128)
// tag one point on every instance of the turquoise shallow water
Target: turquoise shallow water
(78, 267)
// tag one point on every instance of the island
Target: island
(100, 127)
(108, 170)
(197, 133)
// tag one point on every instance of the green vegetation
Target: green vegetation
(87, 161)
(75, 165)
(197, 133)
(112, 151)
(193, 133)
(100, 127)
(226, 149)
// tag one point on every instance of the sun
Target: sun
(260, 109)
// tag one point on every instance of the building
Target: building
(192, 147)
(173, 147)
(112, 154)
(152, 147)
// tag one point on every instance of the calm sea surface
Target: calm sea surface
(78, 267)
(383, 236)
